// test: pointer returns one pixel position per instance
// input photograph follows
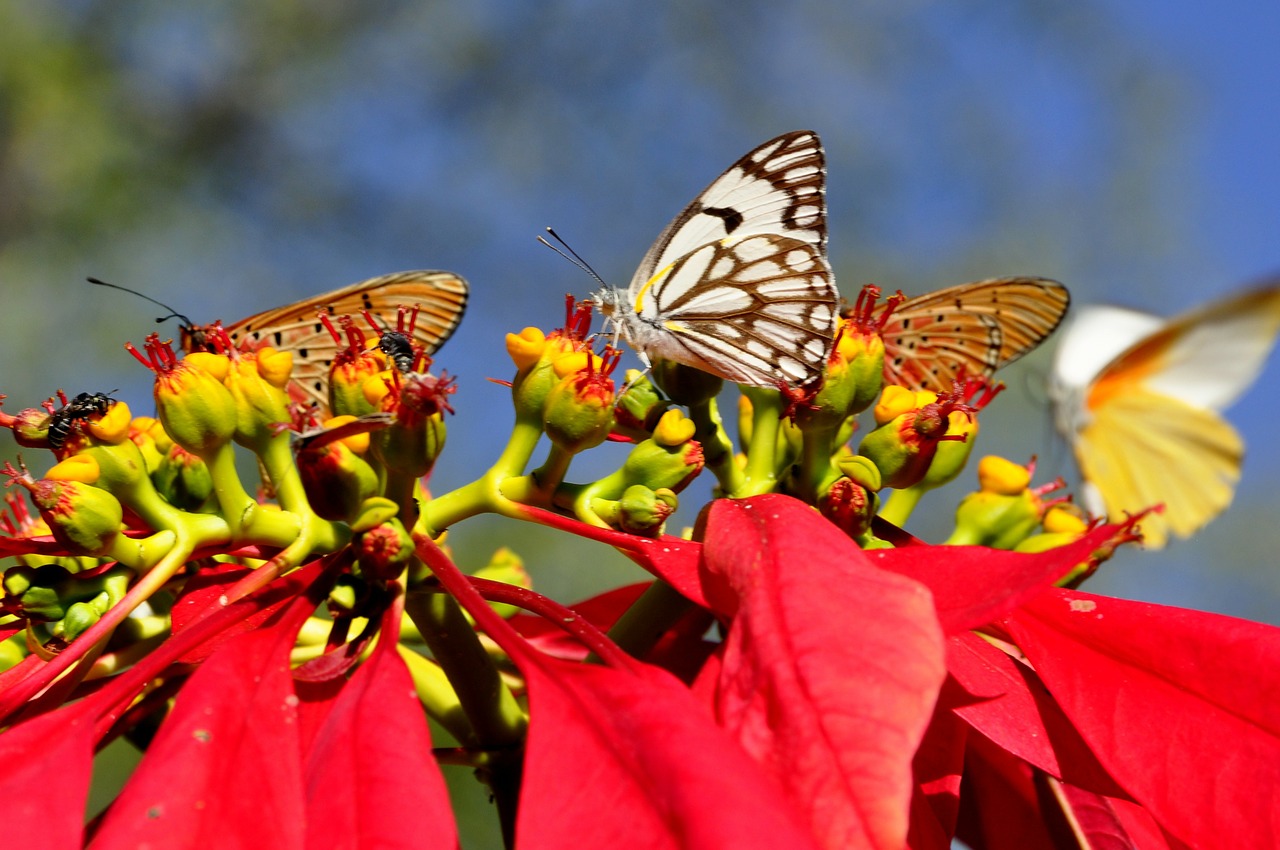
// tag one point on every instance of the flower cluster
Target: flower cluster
(860, 688)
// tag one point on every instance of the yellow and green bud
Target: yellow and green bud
(1002, 514)
(83, 518)
(336, 479)
(853, 378)
(256, 382)
(578, 412)
(197, 410)
(911, 427)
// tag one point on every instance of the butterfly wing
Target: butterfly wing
(1145, 448)
(1144, 425)
(755, 311)
(778, 188)
(1206, 358)
(971, 329)
(441, 298)
(738, 284)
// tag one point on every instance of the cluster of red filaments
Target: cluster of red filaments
(863, 314)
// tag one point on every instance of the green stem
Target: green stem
(816, 471)
(898, 505)
(485, 493)
(497, 721)
(497, 724)
(761, 473)
(717, 448)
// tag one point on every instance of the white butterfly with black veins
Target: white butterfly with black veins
(738, 284)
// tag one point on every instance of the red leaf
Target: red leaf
(624, 756)
(937, 768)
(830, 668)
(225, 768)
(601, 611)
(1180, 706)
(999, 804)
(205, 588)
(370, 775)
(45, 782)
(973, 585)
(669, 558)
(628, 758)
(1010, 706)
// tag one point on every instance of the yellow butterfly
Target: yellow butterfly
(1138, 398)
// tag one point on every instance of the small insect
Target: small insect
(972, 329)
(439, 297)
(738, 284)
(1139, 397)
(399, 349)
(80, 408)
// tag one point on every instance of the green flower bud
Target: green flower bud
(80, 617)
(37, 591)
(256, 382)
(640, 407)
(384, 551)
(336, 480)
(197, 410)
(911, 427)
(31, 428)
(578, 413)
(643, 511)
(507, 567)
(684, 384)
(83, 518)
(183, 479)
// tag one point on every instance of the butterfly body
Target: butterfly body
(1139, 398)
(738, 284)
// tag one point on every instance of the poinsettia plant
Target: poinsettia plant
(799, 672)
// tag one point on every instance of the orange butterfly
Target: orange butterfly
(971, 329)
(441, 298)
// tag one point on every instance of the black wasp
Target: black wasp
(399, 349)
(78, 409)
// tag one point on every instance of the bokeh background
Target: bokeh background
(227, 158)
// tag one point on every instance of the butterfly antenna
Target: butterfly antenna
(173, 314)
(571, 255)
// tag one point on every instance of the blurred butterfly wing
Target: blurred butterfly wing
(778, 188)
(1206, 358)
(1144, 448)
(971, 329)
(441, 298)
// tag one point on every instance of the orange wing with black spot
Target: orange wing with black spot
(971, 329)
